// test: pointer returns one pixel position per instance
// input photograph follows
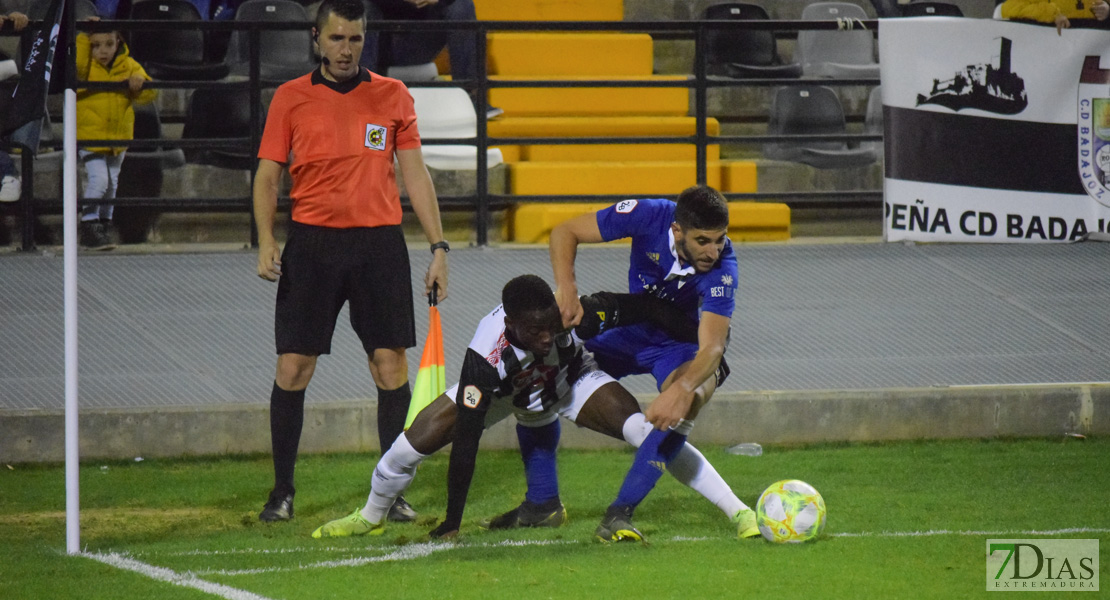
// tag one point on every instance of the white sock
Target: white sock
(392, 476)
(8, 69)
(690, 468)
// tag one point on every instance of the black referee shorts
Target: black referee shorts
(323, 267)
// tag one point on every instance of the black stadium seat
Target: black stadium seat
(172, 54)
(221, 113)
(744, 53)
(284, 54)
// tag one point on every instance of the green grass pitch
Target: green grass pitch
(905, 520)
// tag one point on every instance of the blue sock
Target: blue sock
(537, 449)
(657, 451)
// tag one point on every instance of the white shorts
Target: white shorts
(568, 405)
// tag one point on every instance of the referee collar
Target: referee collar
(341, 86)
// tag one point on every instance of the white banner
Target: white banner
(995, 131)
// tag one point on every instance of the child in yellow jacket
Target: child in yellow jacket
(105, 115)
(1057, 12)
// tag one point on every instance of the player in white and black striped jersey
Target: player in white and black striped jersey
(520, 362)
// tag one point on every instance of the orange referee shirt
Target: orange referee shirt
(339, 141)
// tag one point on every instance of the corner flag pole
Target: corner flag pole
(69, 212)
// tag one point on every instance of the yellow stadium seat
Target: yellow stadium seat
(549, 10)
(623, 126)
(634, 178)
(615, 152)
(592, 101)
(577, 54)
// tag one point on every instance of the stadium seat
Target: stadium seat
(283, 54)
(221, 113)
(837, 54)
(407, 73)
(811, 110)
(931, 9)
(740, 53)
(873, 121)
(448, 113)
(141, 176)
(172, 54)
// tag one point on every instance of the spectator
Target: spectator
(15, 13)
(105, 115)
(1058, 12)
(10, 185)
(112, 9)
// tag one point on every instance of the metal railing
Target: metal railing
(482, 202)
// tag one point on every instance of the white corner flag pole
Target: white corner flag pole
(69, 210)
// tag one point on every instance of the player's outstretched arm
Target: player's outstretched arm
(422, 196)
(460, 469)
(679, 394)
(563, 248)
(265, 206)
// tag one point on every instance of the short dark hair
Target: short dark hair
(701, 207)
(526, 293)
(351, 10)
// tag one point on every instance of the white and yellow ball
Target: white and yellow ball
(790, 511)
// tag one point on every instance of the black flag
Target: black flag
(24, 118)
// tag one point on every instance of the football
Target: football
(790, 511)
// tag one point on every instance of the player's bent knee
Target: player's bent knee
(636, 429)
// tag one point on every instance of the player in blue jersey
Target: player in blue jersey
(681, 253)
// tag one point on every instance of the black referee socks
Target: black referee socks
(286, 419)
(393, 409)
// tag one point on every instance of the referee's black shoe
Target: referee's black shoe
(278, 508)
(401, 511)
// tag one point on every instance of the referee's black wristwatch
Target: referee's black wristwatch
(441, 246)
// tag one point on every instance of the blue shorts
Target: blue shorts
(637, 349)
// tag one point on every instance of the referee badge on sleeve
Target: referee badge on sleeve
(375, 136)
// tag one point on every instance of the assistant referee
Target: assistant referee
(338, 130)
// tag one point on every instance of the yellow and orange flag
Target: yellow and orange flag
(431, 379)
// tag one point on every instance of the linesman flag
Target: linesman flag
(24, 118)
(431, 379)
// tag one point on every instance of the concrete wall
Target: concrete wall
(764, 417)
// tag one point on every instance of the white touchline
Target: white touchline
(415, 551)
(409, 552)
(188, 580)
